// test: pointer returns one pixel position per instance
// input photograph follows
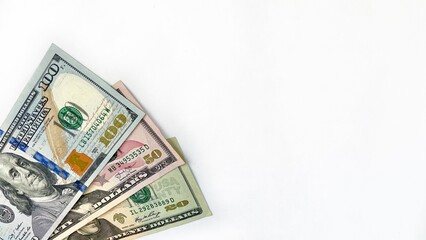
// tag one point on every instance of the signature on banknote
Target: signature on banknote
(122, 174)
(151, 215)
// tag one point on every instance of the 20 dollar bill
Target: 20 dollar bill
(171, 201)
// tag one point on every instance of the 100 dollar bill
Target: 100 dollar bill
(65, 126)
(173, 200)
(144, 157)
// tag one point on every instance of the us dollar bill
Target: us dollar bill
(144, 157)
(65, 126)
(171, 201)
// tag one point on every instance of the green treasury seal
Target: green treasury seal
(141, 196)
(70, 117)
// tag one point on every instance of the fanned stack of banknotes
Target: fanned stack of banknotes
(79, 159)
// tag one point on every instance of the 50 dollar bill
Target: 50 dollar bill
(144, 157)
(171, 201)
(66, 124)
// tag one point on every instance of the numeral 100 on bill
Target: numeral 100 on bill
(112, 130)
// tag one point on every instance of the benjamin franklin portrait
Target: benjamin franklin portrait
(30, 187)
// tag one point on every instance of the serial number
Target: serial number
(151, 206)
(136, 153)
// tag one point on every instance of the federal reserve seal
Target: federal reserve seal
(6, 214)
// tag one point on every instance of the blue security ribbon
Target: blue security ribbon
(80, 186)
(52, 166)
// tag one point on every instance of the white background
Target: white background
(301, 119)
